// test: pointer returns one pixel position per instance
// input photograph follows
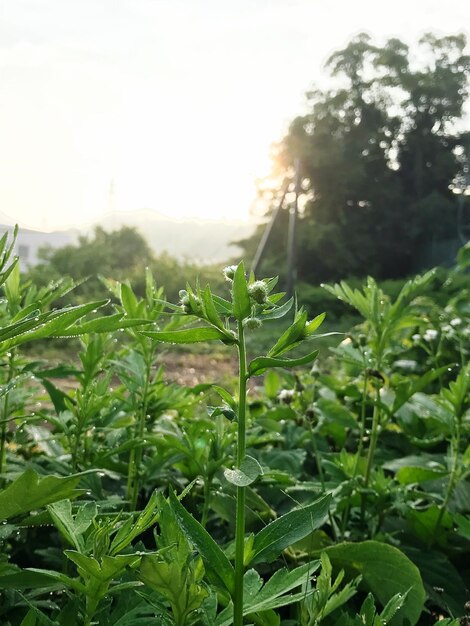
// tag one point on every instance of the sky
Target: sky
(169, 105)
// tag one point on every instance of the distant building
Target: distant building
(29, 242)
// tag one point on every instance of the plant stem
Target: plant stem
(137, 454)
(206, 504)
(455, 447)
(373, 438)
(363, 425)
(241, 491)
(360, 446)
(3, 436)
(372, 445)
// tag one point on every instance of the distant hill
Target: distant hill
(203, 241)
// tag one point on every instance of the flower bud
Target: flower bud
(285, 396)
(184, 301)
(258, 291)
(229, 272)
(252, 323)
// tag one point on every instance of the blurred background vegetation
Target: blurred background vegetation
(384, 167)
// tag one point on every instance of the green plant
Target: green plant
(386, 322)
(78, 546)
(252, 303)
(327, 596)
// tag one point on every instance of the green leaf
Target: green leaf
(246, 474)
(12, 284)
(106, 324)
(26, 579)
(35, 617)
(463, 525)
(222, 305)
(281, 582)
(175, 582)
(406, 390)
(334, 412)
(128, 299)
(4, 275)
(240, 295)
(58, 323)
(214, 558)
(209, 309)
(63, 319)
(108, 568)
(30, 492)
(57, 396)
(22, 326)
(133, 528)
(312, 326)
(58, 577)
(292, 336)
(386, 571)
(61, 513)
(431, 524)
(288, 529)
(262, 363)
(226, 397)
(438, 572)
(272, 384)
(393, 605)
(273, 594)
(277, 312)
(410, 475)
(189, 335)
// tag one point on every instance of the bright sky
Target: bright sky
(175, 101)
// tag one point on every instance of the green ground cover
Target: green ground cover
(317, 489)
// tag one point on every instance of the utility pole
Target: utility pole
(291, 234)
(267, 231)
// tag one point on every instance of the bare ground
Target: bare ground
(191, 369)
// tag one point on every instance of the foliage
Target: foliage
(122, 254)
(335, 493)
(378, 157)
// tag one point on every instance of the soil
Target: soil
(192, 369)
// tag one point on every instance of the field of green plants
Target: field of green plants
(313, 490)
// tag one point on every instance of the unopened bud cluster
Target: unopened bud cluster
(185, 301)
(258, 291)
(252, 323)
(229, 272)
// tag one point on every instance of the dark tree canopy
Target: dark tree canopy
(378, 156)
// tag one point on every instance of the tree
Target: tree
(378, 154)
(119, 255)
